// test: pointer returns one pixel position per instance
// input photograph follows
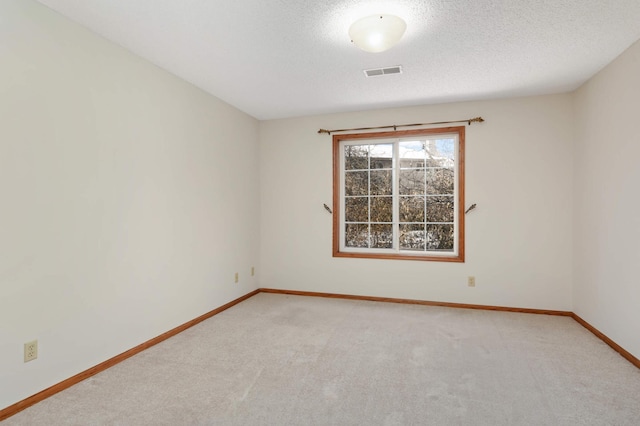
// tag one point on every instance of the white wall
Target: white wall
(128, 199)
(607, 205)
(518, 240)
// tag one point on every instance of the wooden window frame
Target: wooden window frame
(337, 201)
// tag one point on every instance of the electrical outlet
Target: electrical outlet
(30, 351)
(253, 271)
(236, 277)
(471, 281)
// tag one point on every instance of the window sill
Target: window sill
(459, 258)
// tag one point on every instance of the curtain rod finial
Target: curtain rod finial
(324, 131)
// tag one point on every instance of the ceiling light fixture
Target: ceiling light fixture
(377, 33)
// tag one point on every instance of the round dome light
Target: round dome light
(377, 33)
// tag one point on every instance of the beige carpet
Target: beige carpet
(291, 360)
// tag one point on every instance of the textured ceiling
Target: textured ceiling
(285, 58)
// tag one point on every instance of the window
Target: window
(399, 195)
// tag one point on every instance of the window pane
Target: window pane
(412, 182)
(440, 153)
(381, 236)
(381, 156)
(439, 209)
(381, 209)
(356, 157)
(412, 237)
(411, 209)
(439, 181)
(356, 209)
(440, 237)
(412, 154)
(356, 235)
(356, 183)
(381, 182)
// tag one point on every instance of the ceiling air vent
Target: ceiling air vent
(383, 71)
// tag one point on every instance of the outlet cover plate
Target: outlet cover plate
(30, 351)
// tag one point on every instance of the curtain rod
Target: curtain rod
(395, 126)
